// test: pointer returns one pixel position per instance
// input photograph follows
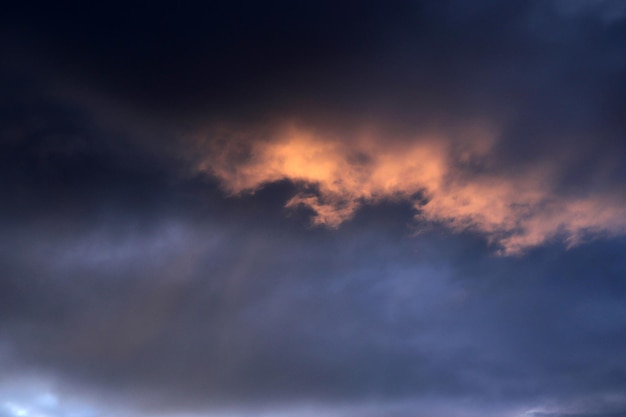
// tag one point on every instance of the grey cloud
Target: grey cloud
(245, 317)
(127, 278)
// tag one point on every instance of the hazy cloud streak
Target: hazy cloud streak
(434, 172)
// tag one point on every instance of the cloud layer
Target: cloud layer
(161, 166)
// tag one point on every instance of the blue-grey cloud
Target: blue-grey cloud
(128, 277)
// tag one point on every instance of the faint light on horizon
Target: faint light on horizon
(15, 409)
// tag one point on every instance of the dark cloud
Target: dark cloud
(424, 62)
(147, 258)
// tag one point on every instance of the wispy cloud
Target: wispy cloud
(448, 181)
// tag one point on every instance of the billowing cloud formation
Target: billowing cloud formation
(438, 175)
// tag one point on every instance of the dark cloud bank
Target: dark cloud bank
(133, 283)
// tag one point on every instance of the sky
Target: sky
(313, 209)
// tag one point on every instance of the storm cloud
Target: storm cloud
(353, 209)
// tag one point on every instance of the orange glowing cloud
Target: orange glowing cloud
(336, 176)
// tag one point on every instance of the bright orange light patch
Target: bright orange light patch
(515, 212)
